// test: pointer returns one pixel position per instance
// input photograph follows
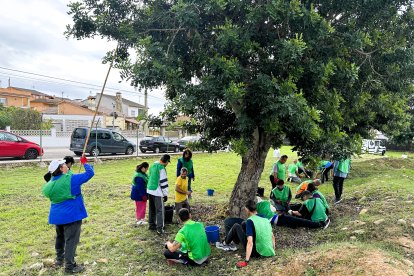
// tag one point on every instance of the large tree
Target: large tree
(318, 73)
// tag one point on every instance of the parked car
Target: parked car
(158, 144)
(12, 145)
(101, 140)
(187, 139)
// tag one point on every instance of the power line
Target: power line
(78, 83)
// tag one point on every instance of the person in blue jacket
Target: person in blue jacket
(139, 192)
(67, 210)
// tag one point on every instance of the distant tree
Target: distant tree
(19, 118)
(319, 73)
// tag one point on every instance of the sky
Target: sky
(32, 41)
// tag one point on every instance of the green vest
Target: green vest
(292, 168)
(281, 195)
(264, 242)
(141, 175)
(281, 170)
(69, 172)
(319, 213)
(323, 163)
(195, 240)
(187, 164)
(299, 164)
(263, 208)
(58, 190)
(343, 165)
(325, 203)
(154, 176)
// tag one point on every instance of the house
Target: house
(65, 114)
(126, 110)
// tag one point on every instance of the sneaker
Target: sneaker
(75, 269)
(221, 246)
(142, 222)
(327, 222)
(58, 263)
(338, 200)
(152, 228)
(160, 232)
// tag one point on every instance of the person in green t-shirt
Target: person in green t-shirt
(190, 246)
(314, 210)
(278, 171)
(293, 172)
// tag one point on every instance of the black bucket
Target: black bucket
(260, 191)
(168, 214)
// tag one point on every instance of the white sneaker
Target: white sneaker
(141, 222)
(222, 246)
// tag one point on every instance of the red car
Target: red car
(12, 145)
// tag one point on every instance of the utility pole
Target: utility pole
(62, 95)
(9, 82)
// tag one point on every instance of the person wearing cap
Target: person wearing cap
(157, 190)
(69, 163)
(67, 210)
(278, 171)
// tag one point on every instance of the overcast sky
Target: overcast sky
(32, 40)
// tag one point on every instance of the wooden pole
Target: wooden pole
(99, 102)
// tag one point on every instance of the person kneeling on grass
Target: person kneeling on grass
(304, 185)
(190, 246)
(314, 210)
(67, 210)
(257, 238)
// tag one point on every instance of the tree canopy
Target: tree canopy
(318, 73)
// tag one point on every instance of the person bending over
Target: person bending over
(190, 246)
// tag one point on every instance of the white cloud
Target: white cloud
(32, 40)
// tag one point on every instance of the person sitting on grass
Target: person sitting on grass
(67, 210)
(257, 238)
(304, 185)
(281, 196)
(317, 194)
(293, 172)
(313, 210)
(190, 246)
(181, 191)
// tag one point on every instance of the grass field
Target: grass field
(377, 241)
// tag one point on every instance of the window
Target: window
(10, 137)
(118, 137)
(133, 113)
(3, 101)
(160, 139)
(79, 133)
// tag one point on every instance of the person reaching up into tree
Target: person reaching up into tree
(281, 197)
(278, 171)
(139, 192)
(67, 210)
(186, 161)
(190, 246)
(69, 161)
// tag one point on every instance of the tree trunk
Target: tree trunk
(251, 170)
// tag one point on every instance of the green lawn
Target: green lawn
(112, 245)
